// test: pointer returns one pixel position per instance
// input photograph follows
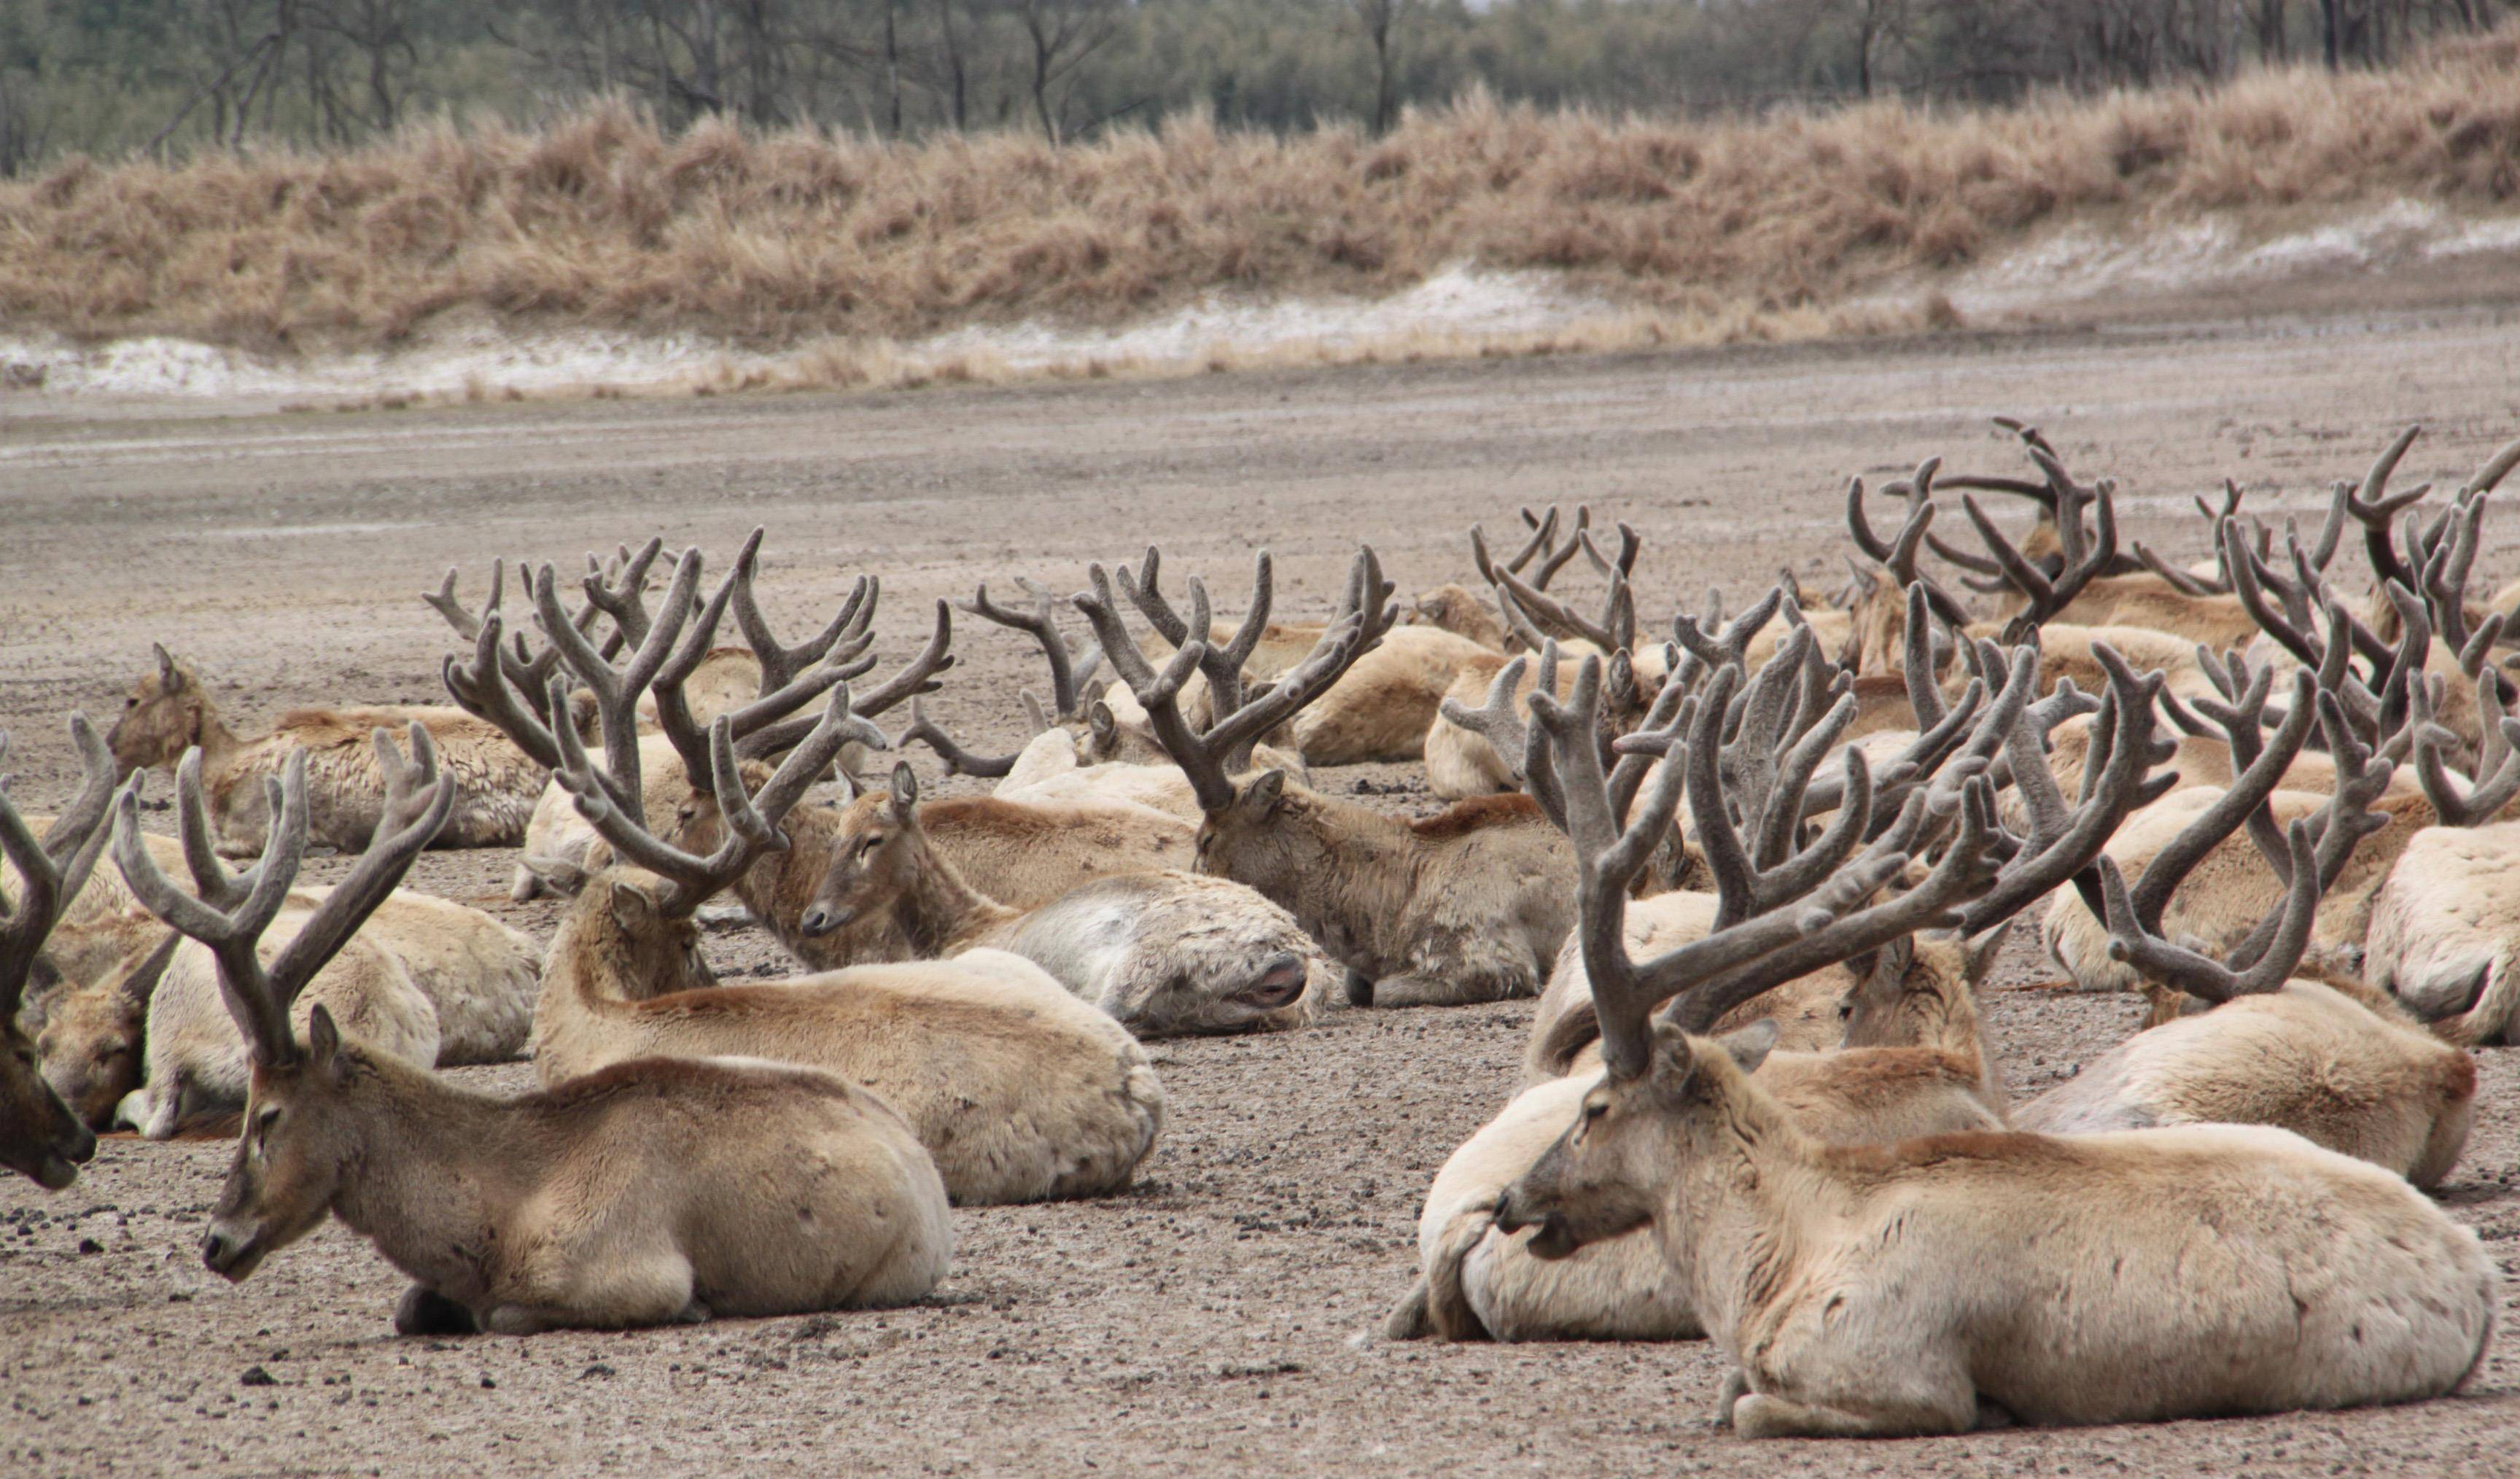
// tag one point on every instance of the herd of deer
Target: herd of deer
(1753, 875)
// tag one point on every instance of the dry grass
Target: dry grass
(791, 240)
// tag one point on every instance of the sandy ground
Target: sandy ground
(1224, 1317)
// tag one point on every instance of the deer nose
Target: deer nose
(1281, 981)
(217, 1251)
(819, 920)
(79, 1146)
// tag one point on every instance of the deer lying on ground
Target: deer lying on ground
(2236, 884)
(1466, 905)
(2332, 1060)
(170, 712)
(1920, 1286)
(1914, 1066)
(1019, 1089)
(431, 981)
(653, 1191)
(1164, 952)
(41, 1138)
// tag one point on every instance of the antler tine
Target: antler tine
(2138, 942)
(1556, 559)
(1547, 610)
(958, 760)
(2377, 511)
(1224, 665)
(2446, 571)
(419, 798)
(2177, 579)
(1624, 566)
(483, 689)
(617, 689)
(1159, 693)
(1496, 719)
(467, 625)
(846, 635)
(1708, 653)
(2246, 583)
(622, 591)
(230, 933)
(2496, 467)
(50, 872)
(2332, 528)
(916, 675)
(1543, 539)
(1040, 623)
(2113, 785)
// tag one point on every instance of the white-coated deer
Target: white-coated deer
(653, 1191)
(170, 712)
(41, 1138)
(1926, 1285)
(1164, 952)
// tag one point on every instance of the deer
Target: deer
(1913, 1064)
(40, 1138)
(170, 712)
(1464, 906)
(434, 983)
(2237, 883)
(1914, 1287)
(1164, 952)
(479, 975)
(2003, 733)
(637, 1195)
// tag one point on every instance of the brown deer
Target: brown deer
(1164, 952)
(1466, 905)
(1914, 1287)
(170, 712)
(638, 1195)
(41, 1138)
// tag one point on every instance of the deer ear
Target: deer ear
(562, 876)
(169, 677)
(905, 791)
(1105, 726)
(1750, 1046)
(1982, 953)
(1265, 791)
(1622, 678)
(323, 1041)
(632, 909)
(1674, 1063)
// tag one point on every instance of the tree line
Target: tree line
(109, 78)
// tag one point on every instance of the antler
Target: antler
(1068, 675)
(1899, 556)
(752, 818)
(417, 800)
(1210, 758)
(50, 872)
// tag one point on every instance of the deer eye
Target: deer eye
(868, 844)
(1593, 1111)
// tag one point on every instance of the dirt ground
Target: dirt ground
(1225, 1317)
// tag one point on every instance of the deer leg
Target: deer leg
(425, 1311)
(1736, 1387)
(1757, 1415)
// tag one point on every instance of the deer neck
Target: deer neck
(584, 1011)
(429, 1169)
(218, 743)
(1361, 867)
(1743, 1182)
(943, 915)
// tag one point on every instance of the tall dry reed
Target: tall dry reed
(772, 239)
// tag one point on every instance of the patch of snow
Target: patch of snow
(1459, 300)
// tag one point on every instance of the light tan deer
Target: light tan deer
(170, 712)
(431, 981)
(1924, 1285)
(1163, 952)
(651, 1192)
(1915, 1065)
(1019, 1089)
(2445, 934)
(1466, 905)
(40, 1138)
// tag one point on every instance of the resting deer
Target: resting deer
(1164, 952)
(41, 1138)
(2236, 883)
(456, 985)
(1921, 1286)
(170, 712)
(1466, 905)
(1914, 1066)
(656, 1190)
(2327, 1059)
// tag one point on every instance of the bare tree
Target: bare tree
(1063, 33)
(1382, 21)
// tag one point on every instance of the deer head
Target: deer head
(40, 1138)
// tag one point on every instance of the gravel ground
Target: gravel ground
(1224, 1317)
